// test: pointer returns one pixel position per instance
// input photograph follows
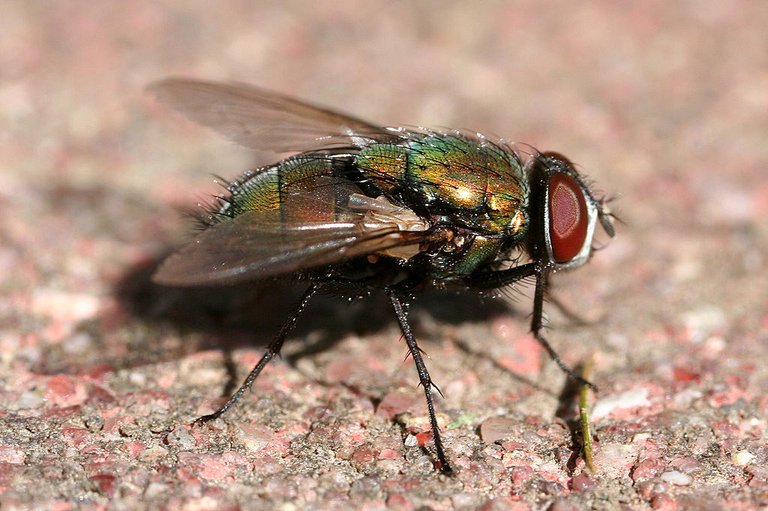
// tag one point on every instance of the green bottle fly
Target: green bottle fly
(364, 207)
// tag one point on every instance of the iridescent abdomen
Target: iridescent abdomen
(302, 188)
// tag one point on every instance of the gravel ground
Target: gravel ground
(101, 372)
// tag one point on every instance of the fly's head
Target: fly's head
(566, 213)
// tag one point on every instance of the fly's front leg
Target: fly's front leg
(424, 378)
(537, 325)
(272, 350)
(501, 278)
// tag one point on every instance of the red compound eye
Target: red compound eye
(567, 217)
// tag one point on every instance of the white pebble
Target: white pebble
(629, 399)
(742, 458)
(676, 477)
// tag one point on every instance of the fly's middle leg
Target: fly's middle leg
(424, 378)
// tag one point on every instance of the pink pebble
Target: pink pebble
(74, 436)
(134, 449)
(395, 403)
(63, 390)
(521, 476)
(525, 357)
(389, 454)
(105, 483)
(363, 455)
(663, 502)
(647, 469)
(494, 429)
(12, 455)
(398, 501)
(583, 482)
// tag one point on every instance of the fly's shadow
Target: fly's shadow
(155, 323)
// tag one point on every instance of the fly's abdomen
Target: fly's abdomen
(304, 188)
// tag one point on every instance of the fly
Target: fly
(361, 207)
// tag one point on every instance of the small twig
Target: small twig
(586, 374)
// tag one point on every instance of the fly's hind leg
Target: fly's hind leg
(272, 350)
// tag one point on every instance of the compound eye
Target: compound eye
(568, 217)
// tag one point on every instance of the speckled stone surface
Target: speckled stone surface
(662, 103)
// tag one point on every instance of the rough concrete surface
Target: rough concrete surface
(663, 103)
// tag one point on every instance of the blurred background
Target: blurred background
(660, 103)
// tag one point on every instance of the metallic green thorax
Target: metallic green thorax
(478, 185)
(472, 184)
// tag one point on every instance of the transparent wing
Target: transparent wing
(247, 247)
(262, 119)
(321, 220)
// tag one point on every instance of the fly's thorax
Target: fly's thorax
(476, 184)
(384, 166)
(507, 212)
